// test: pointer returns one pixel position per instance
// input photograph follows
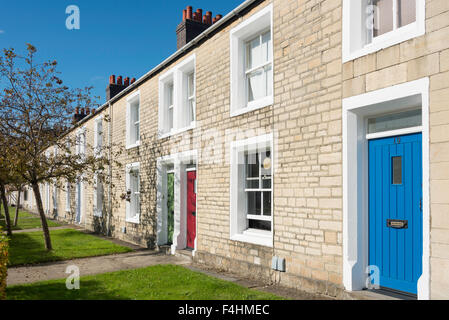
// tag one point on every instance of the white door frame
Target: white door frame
(355, 176)
(79, 201)
(180, 162)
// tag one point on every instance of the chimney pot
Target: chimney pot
(112, 79)
(77, 110)
(209, 17)
(184, 14)
(87, 111)
(189, 12)
(93, 111)
(82, 112)
(199, 13)
(126, 81)
(133, 80)
(119, 80)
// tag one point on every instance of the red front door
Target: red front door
(191, 209)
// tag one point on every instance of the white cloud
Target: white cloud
(2, 31)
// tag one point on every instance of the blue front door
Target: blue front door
(395, 210)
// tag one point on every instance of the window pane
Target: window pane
(252, 165)
(170, 119)
(191, 110)
(137, 132)
(397, 170)
(266, 183)
(266, 47)
(261, 225)
(256, 85)
(191, 84)
(395, 121)
(267, 203)
(253, 204)
(269, 82)
(253, 54)
(406, 12)
(170, 95)
(383, 17)
(252, 183)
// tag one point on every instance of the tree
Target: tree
(36, 115)
(5, 178)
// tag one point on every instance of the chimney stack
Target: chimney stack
(193, 24)
(115, 87)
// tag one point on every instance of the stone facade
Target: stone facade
(310, 81)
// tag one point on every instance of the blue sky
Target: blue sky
(119, 37)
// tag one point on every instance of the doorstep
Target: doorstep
(378, 295)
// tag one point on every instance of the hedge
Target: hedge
(3, 263)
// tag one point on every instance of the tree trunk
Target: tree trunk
(6, 209)
(40, 208)
(16, 218)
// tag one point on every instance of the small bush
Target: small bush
(3, 263)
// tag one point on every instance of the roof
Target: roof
(237, 12)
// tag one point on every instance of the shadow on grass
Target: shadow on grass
(89, 290)
(25, 248)
(28, 248)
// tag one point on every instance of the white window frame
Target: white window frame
(130, 101)
(130, 168)
(255, 25)
(355, 34)
(238, 214)
(98, 136)
(68, 197)
(98, 196)
(178, 77)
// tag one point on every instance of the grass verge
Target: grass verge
(29, 248)
(161, 282)
(26, 220)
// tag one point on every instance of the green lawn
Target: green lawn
(28, 247)
(26, 220)
(162, 282)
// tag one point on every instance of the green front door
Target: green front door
(170, 207)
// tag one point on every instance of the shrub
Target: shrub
(3, 263)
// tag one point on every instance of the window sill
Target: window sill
(387, 40)
(259, 237)
(132, 146)
(252, 106)
(174, 132)
(98, 214)
(134, 221)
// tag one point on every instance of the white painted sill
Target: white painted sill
(132, 146)
(262, 238)
(174, 132)
(252, 106)
(98, 214)
(134, 221)
(387, 40)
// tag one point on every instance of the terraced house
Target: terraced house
(299, 141)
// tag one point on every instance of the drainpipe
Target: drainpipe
(109, 214)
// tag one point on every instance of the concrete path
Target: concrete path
(90, 266)
(40, 229)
